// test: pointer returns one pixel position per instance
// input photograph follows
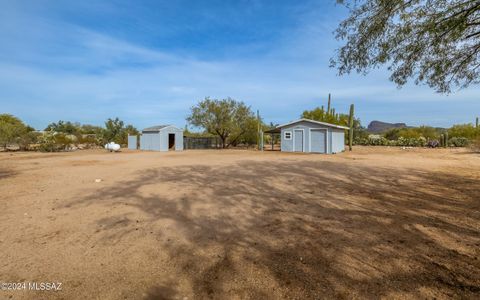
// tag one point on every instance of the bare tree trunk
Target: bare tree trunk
(223, 142)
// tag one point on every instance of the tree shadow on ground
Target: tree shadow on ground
(4, 173)
(311, 229)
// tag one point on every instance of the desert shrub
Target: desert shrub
(428, 132)
(359, 132)
(458, 142)
(377, 140)
(464, 130)
(475, 145)
(392, 134)
(411, 137)
(52, 141)
(412, 142)
(13, 130)
(90, 140)
(66, 127)
(28, 140)
(420, 137)
(47, 142)
(409, 133)
(359, 141)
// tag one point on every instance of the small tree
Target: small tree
(91, 129)
(475, 145)
(229, 119)
(115, 131)
(329, 116)
(64, 127)
(12, 129)
(128, 130)
(250, 135)
(464, 130)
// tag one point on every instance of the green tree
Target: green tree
(113, 130)
(126, 131)
(91, 129)
(229, 119)
(116, 131)
(12, 130)
(428, 132)
(464, 130)
(435, 41)
(249, 137)
(64, 127)
(409, 133)
(318, 114)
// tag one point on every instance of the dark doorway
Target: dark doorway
(171, 141)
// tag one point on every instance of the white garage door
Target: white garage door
(318, 140)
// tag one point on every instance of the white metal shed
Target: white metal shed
(162, 138)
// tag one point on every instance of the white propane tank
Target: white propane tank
(112, 147)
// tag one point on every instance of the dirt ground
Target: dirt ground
(237, 224)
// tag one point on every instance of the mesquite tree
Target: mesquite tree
(229, 119)
(12, 129)
(436, 42)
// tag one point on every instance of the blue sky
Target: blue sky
(148, 62)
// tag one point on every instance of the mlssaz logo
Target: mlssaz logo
(45, 286)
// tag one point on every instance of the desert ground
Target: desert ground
(236, 224)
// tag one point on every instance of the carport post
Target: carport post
(261, 140)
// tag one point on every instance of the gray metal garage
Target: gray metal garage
(161, 138)
(306, 135)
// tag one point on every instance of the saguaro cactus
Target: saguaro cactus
(476, 123)
(350, 131)
(328, 106)
(446, 139)
(258, 131)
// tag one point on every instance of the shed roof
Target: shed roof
(155, 128)
(277, 129)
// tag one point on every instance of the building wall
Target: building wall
(334, 140)
(159, 141)
(150, 141)
(132, 142)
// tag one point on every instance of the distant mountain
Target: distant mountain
(380, 127)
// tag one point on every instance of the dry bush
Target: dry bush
(475, 145)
